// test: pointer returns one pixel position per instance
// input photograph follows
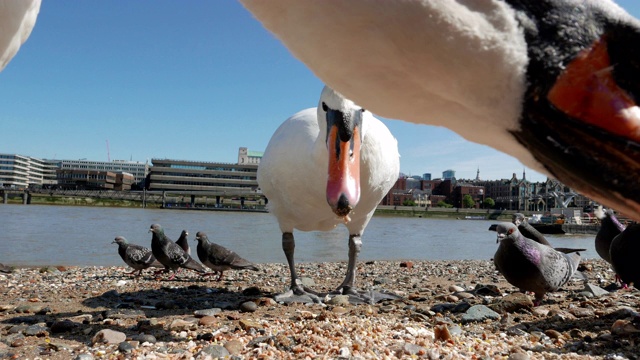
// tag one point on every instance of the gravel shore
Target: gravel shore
(448, 310)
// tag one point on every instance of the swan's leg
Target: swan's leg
(297, 292)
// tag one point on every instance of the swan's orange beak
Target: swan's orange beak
(586, 90)
(343, 142)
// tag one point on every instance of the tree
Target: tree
(467, 201)
(443, 204)
(408, 202)
(488, 203)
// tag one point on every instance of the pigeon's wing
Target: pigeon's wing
(175, 253)
(140, 255)
(220, 255)
(530, 232)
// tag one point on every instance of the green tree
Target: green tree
(488, 203)
(443, 204)
(408, 202)
(467, 201)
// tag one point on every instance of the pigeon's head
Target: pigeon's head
(156, 229)
(506, 231)
(201, 236)
(517, 219)
(120, 240)
(184, 233)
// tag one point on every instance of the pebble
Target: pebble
(109, 336)
(248, 306)
(479, 313)
(567, 326)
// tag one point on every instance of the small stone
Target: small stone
(581, 312)
(341, 300)
(479, 313)
(407, 264)
(412, 349)
(234, 347)
(125, 347)
(554, 334)
(123, 314)
(512, 303)
(340, 310)
(207, 312)
(455, 288)
(441, 332)
(179, 325)
(247, 324)
(518, 356)
(18, 342)
(248, 306)
(595, 290)
(63, 326)
(143, 338)
(252, 291)
(307, 282)
(624, 327)
(36, 330)
(208, 321)
(109, 336)
(215, 351)
(465, 295)
(84, 357)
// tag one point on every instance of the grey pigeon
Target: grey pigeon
(170, 254)
(528, 231)
(624, 253)
(532, 266)
(219, 258)
(183, 242)
(6, 269)
(136, 256)
(610, 227)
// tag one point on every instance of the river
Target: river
(34, 235)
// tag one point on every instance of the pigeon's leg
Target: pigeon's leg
(347, 287)
(220, 277)
(538, 299)
(297, 292)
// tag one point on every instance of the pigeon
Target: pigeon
(610, 227)
(532, 266)
(170, 254)
(136, 256)
(624, 252)
(183, 242)
(6, 269)
(529, 232)
(219, 258)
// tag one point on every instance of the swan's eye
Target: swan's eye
(363, 110)
(324, 106)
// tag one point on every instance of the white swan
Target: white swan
(551, 82)
(17, 18)
(325, 166)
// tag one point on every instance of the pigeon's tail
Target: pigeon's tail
(252, 267)
(574, 261)
(194, 265)
(569, 250)
(156, 264)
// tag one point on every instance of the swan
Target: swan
(550, 82)
(17, 18)
(324, 167)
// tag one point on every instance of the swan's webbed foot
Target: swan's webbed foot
(299, 294)
(369, 296)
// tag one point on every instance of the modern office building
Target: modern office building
(184, 175)
(21, 172)
(448, 174)
(139, 170)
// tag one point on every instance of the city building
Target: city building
(426, 176)
(139, 170)
(246, 156)
(183, 175)
(448, 174)
(21, 172)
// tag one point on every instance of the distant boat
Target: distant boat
(475, 217)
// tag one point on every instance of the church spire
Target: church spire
(478, 174)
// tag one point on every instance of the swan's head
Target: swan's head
(343, 139)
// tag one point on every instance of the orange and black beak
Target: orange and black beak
(583, 122)
(343, 145)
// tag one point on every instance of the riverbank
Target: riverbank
(100, 312)
(110, 200)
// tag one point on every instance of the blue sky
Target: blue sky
(182, 80)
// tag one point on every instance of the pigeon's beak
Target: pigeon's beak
(343, 145)
(500, 237)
